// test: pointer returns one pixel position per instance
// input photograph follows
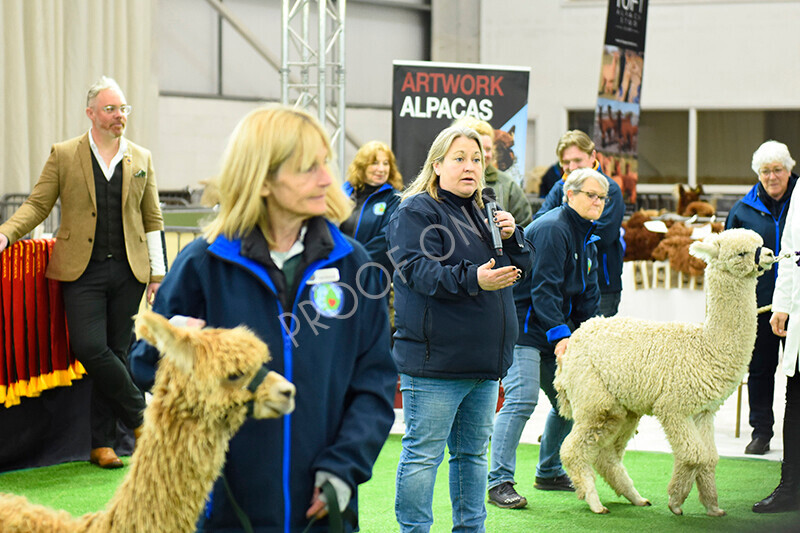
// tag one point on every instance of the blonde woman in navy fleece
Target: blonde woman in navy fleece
(274, 261)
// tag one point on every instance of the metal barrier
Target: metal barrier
(9, 203)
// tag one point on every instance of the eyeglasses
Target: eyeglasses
(593, 196)
(767, 171)
(124, 109)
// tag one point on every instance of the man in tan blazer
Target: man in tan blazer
(108, 248)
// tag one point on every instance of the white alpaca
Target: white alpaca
(616, 370)
(202, 395)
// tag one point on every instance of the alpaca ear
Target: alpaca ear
(172, 342)
(706, 249)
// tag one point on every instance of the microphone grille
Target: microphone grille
(489, 195)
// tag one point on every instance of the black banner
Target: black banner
(427, 97)
(616, 126)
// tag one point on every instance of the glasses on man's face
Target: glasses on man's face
(124, 109)
(778, 171)
(594, 197)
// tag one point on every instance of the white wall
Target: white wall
(708, 54)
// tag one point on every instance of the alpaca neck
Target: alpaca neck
(731, 312)
(177, 460)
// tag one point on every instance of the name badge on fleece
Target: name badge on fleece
(324, 275)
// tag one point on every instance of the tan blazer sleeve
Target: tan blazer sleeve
(38, 205)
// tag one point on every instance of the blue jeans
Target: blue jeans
(458, 412)
(521, 388)
(556, 428)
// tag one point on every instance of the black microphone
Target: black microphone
(490, 205)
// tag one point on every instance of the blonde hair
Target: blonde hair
(263, 142)
(574, 138)
(368, 154)
(481, 126)
(427, 180)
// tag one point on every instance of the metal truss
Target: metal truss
(313, 63)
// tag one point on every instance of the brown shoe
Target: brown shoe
(105, 458)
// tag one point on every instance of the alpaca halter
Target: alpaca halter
(252, 386)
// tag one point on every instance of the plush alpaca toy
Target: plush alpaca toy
(201, 397)
(615, 370)
(675, 247)
(686, 196)
(640, 241)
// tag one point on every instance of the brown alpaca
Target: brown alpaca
(639, 241)
(200, 399)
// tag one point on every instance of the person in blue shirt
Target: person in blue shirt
(456, 328)
(373, 183)
(561, 294)
(576, 150)
(274, 261)
(764, 209)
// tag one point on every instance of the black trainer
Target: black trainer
(504, 495)
(555, 483)
(757, 446)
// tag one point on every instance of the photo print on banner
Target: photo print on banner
(616, 116)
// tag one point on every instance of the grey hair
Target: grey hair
(101, 85)
(772, 152)
(578, 177)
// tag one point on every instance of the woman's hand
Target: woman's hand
(778, 323)
(494, 279)
(505, 221)
(561, 349)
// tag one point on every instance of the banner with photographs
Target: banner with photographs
(616, 117)
(427, 97)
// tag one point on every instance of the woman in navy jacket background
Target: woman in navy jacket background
(764, 209)
(274, 261)
(373, 183)
(456, 327)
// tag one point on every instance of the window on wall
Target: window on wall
(726, 141)
(663, 149)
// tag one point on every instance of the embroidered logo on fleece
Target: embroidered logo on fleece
(379, 208)
(328, 299)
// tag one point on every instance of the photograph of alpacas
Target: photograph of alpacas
(208, 382)
(681, 373)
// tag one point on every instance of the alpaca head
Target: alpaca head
(209, 373)
(738, 251)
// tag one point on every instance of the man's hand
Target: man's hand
(494, 279)
(152, 289)
(778, 323)
(3, 242)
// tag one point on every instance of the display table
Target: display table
(44, 402)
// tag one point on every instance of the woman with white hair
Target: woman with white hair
(785, 322)
(764, 210)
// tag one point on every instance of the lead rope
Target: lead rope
(336, 517)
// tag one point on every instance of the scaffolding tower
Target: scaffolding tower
(312, 63)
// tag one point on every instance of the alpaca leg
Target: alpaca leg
(706, 483)
(578, 452)
(609, 463)
(686, 444)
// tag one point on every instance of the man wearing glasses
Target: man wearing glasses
(559, 295)
(108, 248)
(576, 150)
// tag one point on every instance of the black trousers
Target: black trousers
(100, 306)
(791, 422)
(761, 381)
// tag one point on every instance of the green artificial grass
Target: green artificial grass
(80, 488)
